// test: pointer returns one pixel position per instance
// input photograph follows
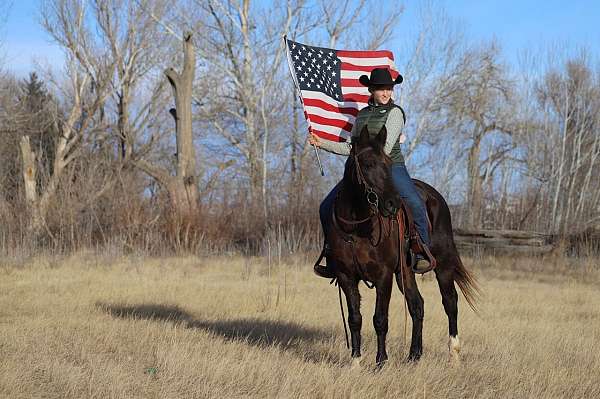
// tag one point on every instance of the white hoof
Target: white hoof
(454, 350)
(355, 363)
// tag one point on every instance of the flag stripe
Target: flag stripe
(383, 62)
(327, 136)
(329, 121)
(363, 68)
(356, 90)
(348, 74)
(315, 95)
(347, 112)
(330, 129)
(357, 74)
(351, 83)
(357, 98)
(365, 54)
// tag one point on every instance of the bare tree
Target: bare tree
(244, 51)
(10, 121)
(183, 186)
(569, 100)
(128, 37)
(128, 31)
(85, 92)
(432, 73)
(73, 132)
(131, 31)
(482, 106)
(371, 25)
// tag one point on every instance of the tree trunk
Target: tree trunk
(475, 182)
(123, 124)
(183, 190)
(183, 187)
(35, 222)
(183, 200)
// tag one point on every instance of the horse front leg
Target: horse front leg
(380, 318)
(408, 286)
(350, 288)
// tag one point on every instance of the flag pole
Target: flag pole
(318, 160)
(300, 98)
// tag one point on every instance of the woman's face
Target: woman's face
(382, 94)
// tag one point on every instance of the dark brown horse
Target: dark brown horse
(367, 244)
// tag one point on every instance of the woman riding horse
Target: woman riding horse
(380, 111)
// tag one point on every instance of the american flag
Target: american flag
(329, 87)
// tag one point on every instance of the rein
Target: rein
(347, 237)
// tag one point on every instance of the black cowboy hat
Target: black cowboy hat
(380, 77)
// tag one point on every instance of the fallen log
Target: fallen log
(503, 241)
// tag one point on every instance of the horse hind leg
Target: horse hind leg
(445, 276)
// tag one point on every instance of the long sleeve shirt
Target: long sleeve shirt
(394, 125)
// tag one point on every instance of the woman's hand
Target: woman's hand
(315, 140)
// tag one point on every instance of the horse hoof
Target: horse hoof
(413, 357)
(355, 365)
(379, 365)
(454, 351)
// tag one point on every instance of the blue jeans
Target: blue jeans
(325, 210)
(408, 192)
(406, 189)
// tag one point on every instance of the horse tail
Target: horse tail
(467, 283)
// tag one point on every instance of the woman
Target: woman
(380, 111)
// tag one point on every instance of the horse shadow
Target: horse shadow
(309, 343)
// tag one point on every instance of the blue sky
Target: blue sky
(24, 41)
(516, 24)
(529, 23)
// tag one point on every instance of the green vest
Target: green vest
(374, 117)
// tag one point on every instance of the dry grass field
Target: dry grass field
(90, 326)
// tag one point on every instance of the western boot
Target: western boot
(422, 260)
(420, 265)
(324, 271)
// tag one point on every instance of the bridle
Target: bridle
(370, 194)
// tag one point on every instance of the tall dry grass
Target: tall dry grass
(90, 326)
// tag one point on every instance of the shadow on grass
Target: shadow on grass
(253, 331)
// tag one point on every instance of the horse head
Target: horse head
(368, 172)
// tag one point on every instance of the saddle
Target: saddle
(404, 217)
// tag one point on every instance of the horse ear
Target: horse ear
(381, 137)
(363, 139)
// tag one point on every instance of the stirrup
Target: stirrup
(418, 258)
(423, 255)
(320, 270)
